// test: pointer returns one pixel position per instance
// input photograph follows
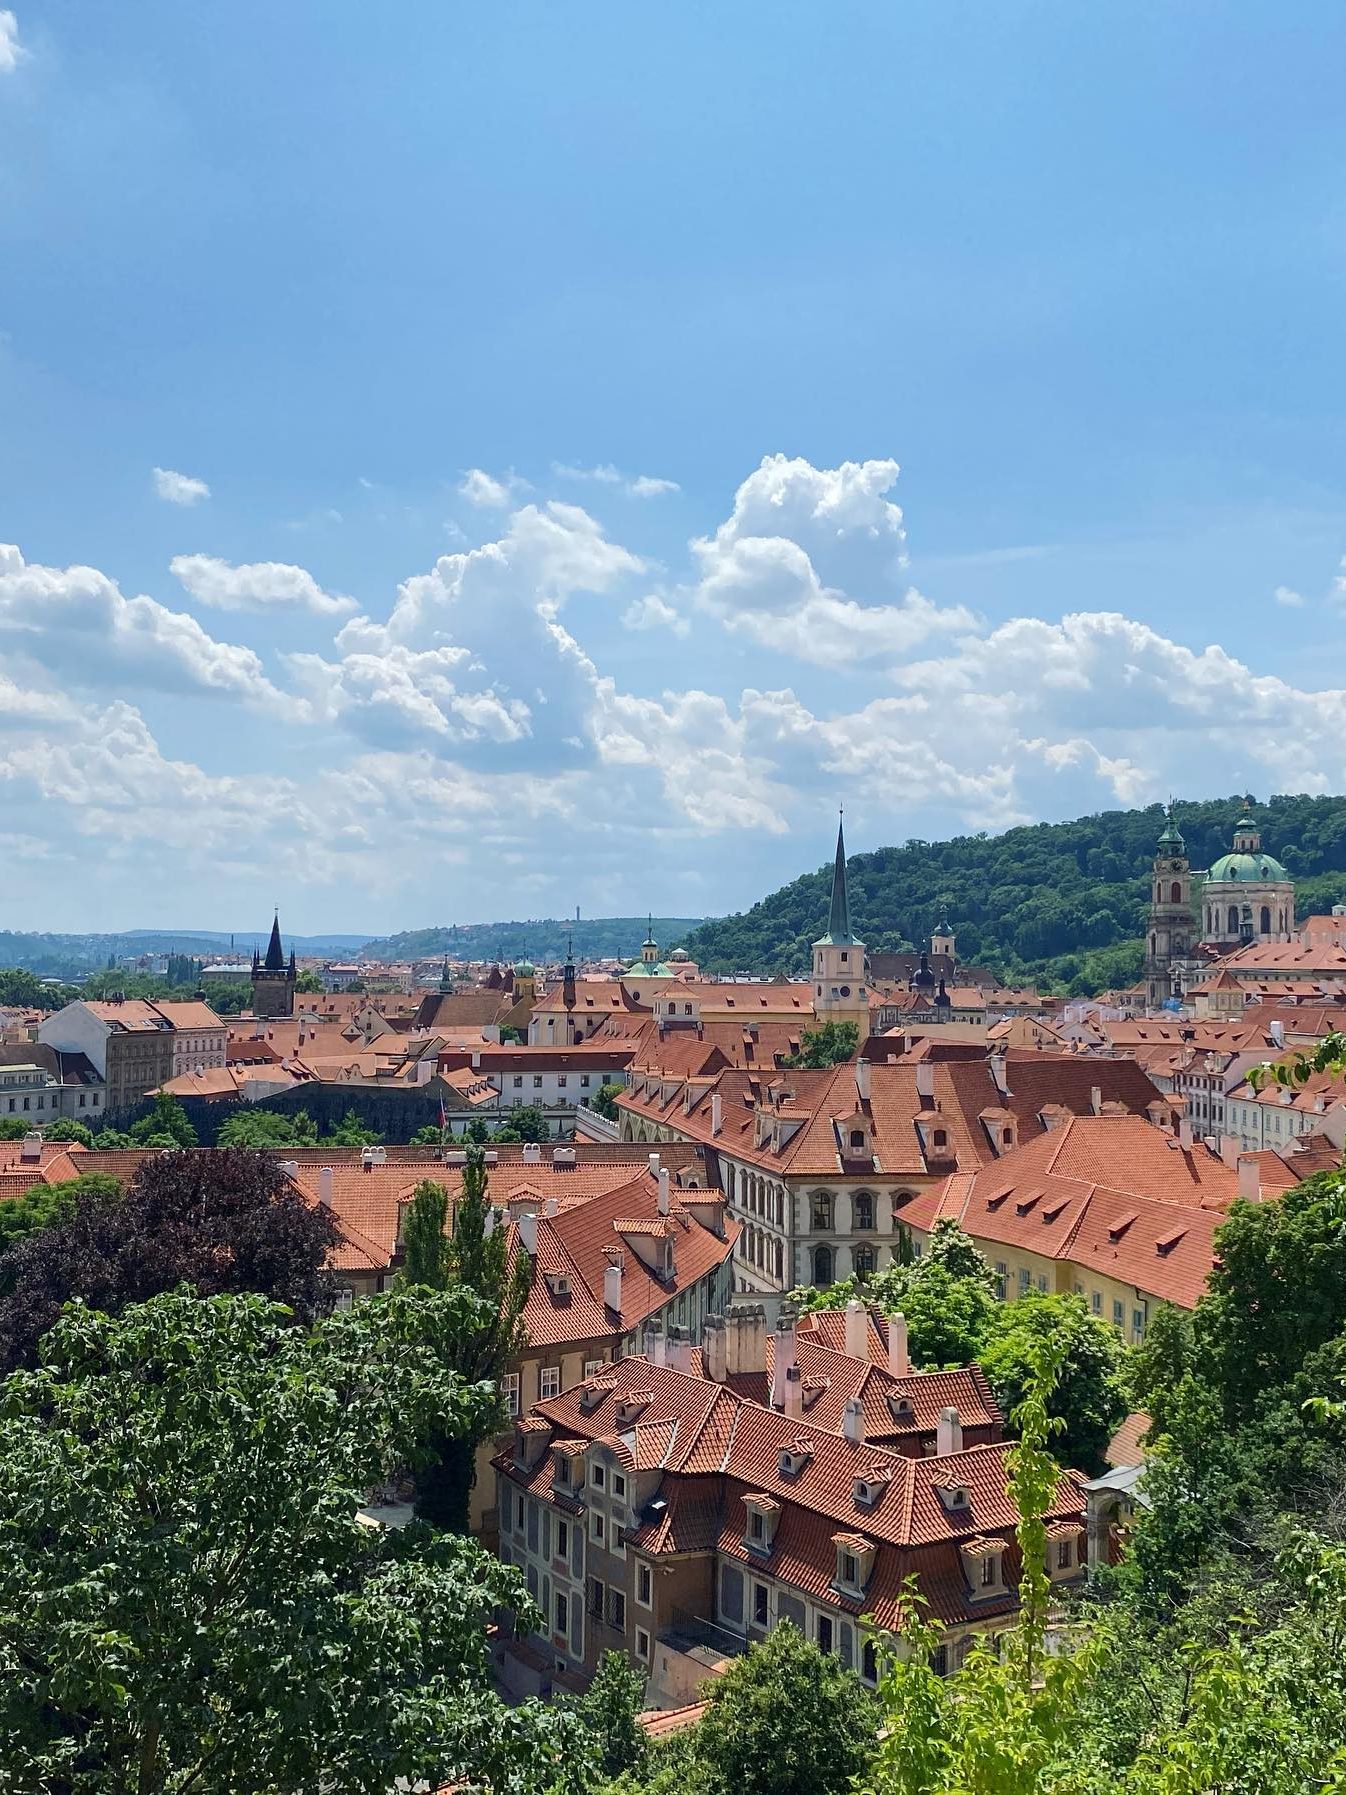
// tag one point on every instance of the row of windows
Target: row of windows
(55, 1102)
(562, 1079)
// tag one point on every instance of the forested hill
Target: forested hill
(596, 938)
(1060, 903)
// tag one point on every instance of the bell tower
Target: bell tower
(1172, 929)
(839, 990)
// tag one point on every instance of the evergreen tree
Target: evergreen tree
(426, 1258)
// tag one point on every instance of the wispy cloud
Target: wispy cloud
(256, 586)
(1286, 595)
(179, 489)
(486, 491)
(638, 486)
(10, 47)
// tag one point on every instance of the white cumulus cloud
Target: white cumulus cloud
(486, 491)
(256, 586)
(179, 489)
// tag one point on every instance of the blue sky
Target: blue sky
(1079, 271)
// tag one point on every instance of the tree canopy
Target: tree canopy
(188, 1597)
(830, 1044)
(220, 1220)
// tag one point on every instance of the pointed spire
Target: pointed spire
(839, 916)
(275, 953)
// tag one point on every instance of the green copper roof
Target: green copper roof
(1172, 836)
(1248, 869)
(839, 916)
(523, 969)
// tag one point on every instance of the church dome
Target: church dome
(1248, 869)
(679, 956)
(523, 969)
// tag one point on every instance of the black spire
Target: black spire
(839, 915)
(275, 953)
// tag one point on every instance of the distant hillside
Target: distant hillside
(596, 938)
(71, 956)
(1060, 903)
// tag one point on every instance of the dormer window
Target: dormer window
(1064, 1539)
(939, 1137)
(855, 1561)
(760, 1515)
(983, 1565)
(870, 1486)
(858, 1139)
(795, 1456)
(954, 1497)
(901, 1409)
(559, 1285)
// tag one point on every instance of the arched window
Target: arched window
(1233, 919)
(822, 1265)
(778, 1259)
(939, 1137)
(863, 1211)
(1266, 919)
(858, 1138)
(1177, 892)
(822, 1212)
(864, 1262)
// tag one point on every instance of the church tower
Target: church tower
(839, 992)
(1172, 927)
(273, 980)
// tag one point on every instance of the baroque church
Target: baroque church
(1246, 896)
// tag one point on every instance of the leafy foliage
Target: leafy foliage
(830, 1044)
(605, 1101)
(193, 1602)
(783, 1718)
(609, 1710)
(425, 1239)
(46, 1204)
(600, 938)
(220, 1220)
(268, 1128)
(1060, 903)
(68, 1129)
(351, 1132)
(165, 1125)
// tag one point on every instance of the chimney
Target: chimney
(853, 1421)
(857, 1330)
(784, 1360)
(899, 1354)
(925, 1078)
(1185, 1135)
(325, 1186)
(528, 1232)
(1229, 1150)
(654, 1164)
(949, 1434)
(1276, 1029)
(551, 1207)
(716, 1113)
(612, 1284)
(1000, 1072)
(794, 1394)
(680, 1351)
(862, 1080)
(663, 1190)
(1250, 1180)
(1095, 1100)
(714, 1348)
(655, 1350)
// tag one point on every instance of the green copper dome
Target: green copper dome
(1171, 839)
(1248, 869)
(523, 969)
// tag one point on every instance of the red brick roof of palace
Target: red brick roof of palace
(717, 1449)
(806, 1109)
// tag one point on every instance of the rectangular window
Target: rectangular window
(760, 1604)
(596, 1595)
(518, 1081)
(1118, 1312)
(824, 1632)
(1042, 1282)
(1025, 1279)
(598, 1477)
(869, 1663)
(1096, 1301)
(560, 1080)
(642, 1643)
(518, 1519)
(1001, 1279)
(537, 1081)
(756, 1526)
(584, 1081)
(1138, 1323)
(532, 1526)
(546, 1533)
(849, 1571)
(597, 1527)
(562, 1622)
(1065, 1554)
(562, 1539)
(591, 1366)
(617, 1609)
(644, 1586)
(509, 1385)
(990, 1572)
(549, 1382)
(618, 1484)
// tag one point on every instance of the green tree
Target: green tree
(1086, 1398)
(14, 1128)
(308, 984)
(609, 1710)
(605, 1101)
(112, 1140)
(429, 1135)
(479, 1262)
(527, 1123)
(165, 1124)
(427, 1254)
(476, 1133)
(785, 1718)
(67, 1129)
(267, 1128)
(44, 1205)
(830, 1044)
(351, 1132)
(195, 1605)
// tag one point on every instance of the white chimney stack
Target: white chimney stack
(655, 1349)
(1185, 1134)
(715, 1348)
(1250, 1177)
(862, 1080)
(663, 1190)
(899, 1354)
(325, 1186)
(716, 1113)
(949, 1434)
(794, 1394)
(680, 1351)
(654, 1164)
(784, 1361)
(853, 1421)
(1276, 1029)
(1096, 1100)
(551, 1207)
(857, 1329)
(925, 1078)
(612, 1285)
(528, 1232)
